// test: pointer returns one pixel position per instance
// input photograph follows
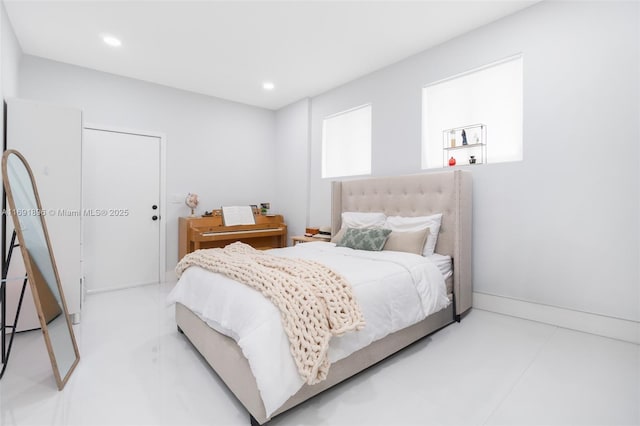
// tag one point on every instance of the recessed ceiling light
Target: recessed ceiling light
(267, 85)
(112, 41)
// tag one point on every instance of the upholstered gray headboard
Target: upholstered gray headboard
(448, 192)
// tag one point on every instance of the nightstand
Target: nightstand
(302, 239)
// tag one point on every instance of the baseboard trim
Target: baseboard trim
(601, 325)
(124, 287)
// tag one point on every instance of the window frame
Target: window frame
(324, 154)
(424, 162)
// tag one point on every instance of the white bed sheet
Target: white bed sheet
(444, 264)
(394, 290)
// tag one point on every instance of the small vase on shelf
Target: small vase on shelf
(452, 161)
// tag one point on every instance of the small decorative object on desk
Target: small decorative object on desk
(192, 202)
(464, 137)
(452, 161)
(309, 232)
(472, 159)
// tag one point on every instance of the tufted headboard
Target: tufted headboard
(448, 192)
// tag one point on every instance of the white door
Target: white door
(121, 206)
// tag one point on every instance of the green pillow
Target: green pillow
(371, 239)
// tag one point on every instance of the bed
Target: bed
(448, 192)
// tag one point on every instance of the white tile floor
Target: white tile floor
(488, 370)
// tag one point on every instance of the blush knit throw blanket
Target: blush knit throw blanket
(315, 303)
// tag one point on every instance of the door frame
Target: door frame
(162, 201)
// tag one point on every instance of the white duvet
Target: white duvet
(394, 290)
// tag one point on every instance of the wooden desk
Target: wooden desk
(208, 232)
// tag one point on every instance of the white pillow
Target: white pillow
(360, 220)
(363, 220)
(408, 224)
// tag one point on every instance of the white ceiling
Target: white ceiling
(228, 49)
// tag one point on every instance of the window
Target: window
(490, 97)
(346, 143)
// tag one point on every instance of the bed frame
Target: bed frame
(448, 192)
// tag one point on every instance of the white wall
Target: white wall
(292, 152)
(10, 56)
(561, 227)
(223, 151)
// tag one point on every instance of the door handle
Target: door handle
(154, 217)
(154, 207)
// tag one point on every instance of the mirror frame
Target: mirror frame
(31, 267)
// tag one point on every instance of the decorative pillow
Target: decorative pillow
(365, 239)
(410, 242)
(339, 235)
(417, 223)
(359, 220)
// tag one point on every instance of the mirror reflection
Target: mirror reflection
(30, 226)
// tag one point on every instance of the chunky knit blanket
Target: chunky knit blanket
(315, 303)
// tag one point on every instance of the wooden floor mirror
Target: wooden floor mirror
(31, 230)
